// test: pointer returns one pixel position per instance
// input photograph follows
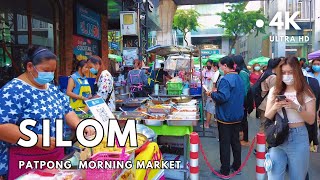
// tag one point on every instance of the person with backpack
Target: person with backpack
(244, 73)
(261, 89)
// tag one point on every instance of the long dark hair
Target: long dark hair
(300, 84)
(241, 65)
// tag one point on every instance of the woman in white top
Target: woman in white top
(300, 108)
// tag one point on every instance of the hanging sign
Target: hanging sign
(88, 23)
(84, 47)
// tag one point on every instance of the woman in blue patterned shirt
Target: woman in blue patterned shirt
(30, 96)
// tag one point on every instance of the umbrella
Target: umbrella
(116, 57)
(216, 57)
(167, 50)
(314, 55)
(260, 60)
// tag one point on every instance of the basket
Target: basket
(175, 92)
(174, 85)
(196, 91)
(106, 174)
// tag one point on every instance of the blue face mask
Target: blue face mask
(94, 71)
(316, 68)
(43, 77)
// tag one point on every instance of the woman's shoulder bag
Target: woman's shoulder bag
(277, 129)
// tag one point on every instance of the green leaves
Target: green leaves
(238, 22)
(186, 21)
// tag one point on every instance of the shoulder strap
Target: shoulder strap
(285, 114)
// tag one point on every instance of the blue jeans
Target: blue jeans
(294, 153)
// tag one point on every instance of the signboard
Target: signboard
(88, 23)
(84, 47)
(114, 45)
(100, 111)
(129, 55)
(128, 23)
(209, 52)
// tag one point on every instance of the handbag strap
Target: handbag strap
(285, 114)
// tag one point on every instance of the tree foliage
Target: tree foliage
(186, 21)
(238, 22)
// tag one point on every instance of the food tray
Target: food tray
(153, 122)
(180, 122)
(134, 102)
(164, 110)
(130, 115)
(185, 113)
(181, 99)
(191, 103)
(183, 117)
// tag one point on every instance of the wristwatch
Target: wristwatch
(299, 110)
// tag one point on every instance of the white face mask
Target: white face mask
(288, 79)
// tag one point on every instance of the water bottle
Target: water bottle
(156, 89)
(268, 163)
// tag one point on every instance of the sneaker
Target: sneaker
(233, 171)
(222, 174)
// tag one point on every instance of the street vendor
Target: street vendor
(162, 76)
(30, 96)
(79, 88)
(104, 82)
(137, 80)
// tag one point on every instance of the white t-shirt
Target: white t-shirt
(293, 115)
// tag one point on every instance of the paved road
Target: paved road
(211, 147)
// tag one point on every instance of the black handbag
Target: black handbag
(277, 129)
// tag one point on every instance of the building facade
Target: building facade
(72, 29)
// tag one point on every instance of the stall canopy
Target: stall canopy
(167, 50)
(260, 60)
(196, 60)
(116, 57)
(314, 55)
(216, 57)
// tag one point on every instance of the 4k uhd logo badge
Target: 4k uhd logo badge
(277, 21)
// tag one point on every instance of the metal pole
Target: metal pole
(203, 114)
(140, 33)
(310, 30)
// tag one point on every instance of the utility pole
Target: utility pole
(309, 44)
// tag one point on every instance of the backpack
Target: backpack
(256, 90)
(248, 101)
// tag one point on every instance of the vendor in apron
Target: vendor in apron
(79, 88)
(137, 79)
(31, 96)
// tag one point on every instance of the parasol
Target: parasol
(116, 57)
(314, 55)
(260, 60)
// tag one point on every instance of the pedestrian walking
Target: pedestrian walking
(299, 104)
(229, 99)
(265, 83)
(245, 76)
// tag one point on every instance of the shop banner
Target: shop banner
(88, 23)
(84, 47)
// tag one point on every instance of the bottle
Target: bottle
(156, 89)
(268, 163)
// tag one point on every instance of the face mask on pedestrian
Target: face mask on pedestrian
(257, 68)
(43, 77)
(94, 71)
(316, 68)
(221, 71)
(209, 67)
(288, 79)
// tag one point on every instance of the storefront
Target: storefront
(69, 28)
